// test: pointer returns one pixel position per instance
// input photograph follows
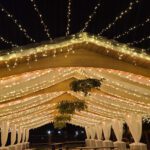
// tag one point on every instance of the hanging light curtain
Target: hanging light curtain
(19, 134)
(117, 126)
(99, 131)
(13, 134)
(106, 129)
(135, 125)
(4, 132)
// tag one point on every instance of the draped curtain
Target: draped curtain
(106, 129)
(13, 134)
(92, 132)
(99, 132)
(135, 125)
(117, 126)
(19, 134)
(4, 132)
(24, 135)
(87, 132)
(27, 135)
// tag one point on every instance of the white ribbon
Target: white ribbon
(117, 126)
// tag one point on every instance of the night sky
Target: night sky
(54, 14)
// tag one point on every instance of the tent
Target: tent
(33, 79)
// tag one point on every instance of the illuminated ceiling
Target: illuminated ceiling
(29, 92)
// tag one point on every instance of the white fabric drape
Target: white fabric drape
(135, 125)
(13, 134)
(87, 133)
(27, 135)
(24, 135)
(99, 132)
(4, 132)
(92, 132)
(117, 126)
(19, 134)
(106, 129)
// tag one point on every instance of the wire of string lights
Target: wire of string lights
(21, 28)
(8, 42)
(68, 18)
(124, 12)
(90, 17)
(140, 41)
(46, 30)
(131, 29)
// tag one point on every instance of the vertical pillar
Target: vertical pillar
(107, 131)
(117, 126)
(134, 122)
(99, 142)
(27, 131)
(93, 135)
(19, 145)
(13, 137)
(4, 133)
(23, 139)
(88, 135)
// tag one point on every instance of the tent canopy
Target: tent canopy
(34, 79)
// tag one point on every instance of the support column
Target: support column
(117, 126)
(27, 131)
(87, 141)
(99, 142)
(19, 145)
(107, 131)
(134, 122)
(4, 134)
(93, 135)
(23, 139)
(13, 137)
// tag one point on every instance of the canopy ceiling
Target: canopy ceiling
(30, 90)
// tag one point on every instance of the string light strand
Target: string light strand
(91, 17)
(68, 18)
(21, 28)
(131, 29)
(123, 13)
(8, 42)
(46, 30)
(139, 41)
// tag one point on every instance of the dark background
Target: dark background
(55, 17)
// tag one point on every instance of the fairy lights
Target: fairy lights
(101, 106)
(8, 42)
(90, 17)
(122, 14)
(21, 28)
(68, 46)
(131, 29)
(68, 18)
(140, 41)
(46, 30)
